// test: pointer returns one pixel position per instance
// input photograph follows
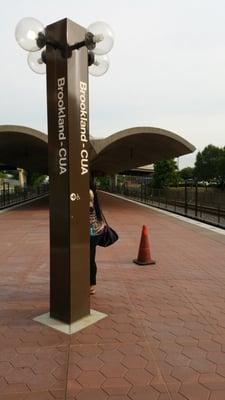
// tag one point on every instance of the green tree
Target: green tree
(187, 173)
(103, 182)
(165, 173)
(35, 179)
(221, 168)
(208, 163)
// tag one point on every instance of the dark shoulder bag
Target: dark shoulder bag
(108, 236)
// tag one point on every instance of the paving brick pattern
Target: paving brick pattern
(164, 337)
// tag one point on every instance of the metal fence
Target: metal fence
(12, 196)
(203, 204)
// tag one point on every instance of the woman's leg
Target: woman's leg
(93, 266)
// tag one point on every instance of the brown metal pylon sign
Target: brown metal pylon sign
(68, 138)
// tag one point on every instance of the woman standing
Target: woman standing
(97, 225)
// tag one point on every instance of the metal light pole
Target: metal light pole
(69, 50)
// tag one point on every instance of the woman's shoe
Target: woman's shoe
(92, 290)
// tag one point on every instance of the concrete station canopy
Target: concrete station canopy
(27, 148)
(23, 147)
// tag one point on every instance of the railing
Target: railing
(202, 204)
(12, 196)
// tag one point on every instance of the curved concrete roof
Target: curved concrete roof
(24, 147)
(27, 148)
(136, 147)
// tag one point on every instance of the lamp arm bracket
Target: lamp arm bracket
(89, 42)
(66, 50)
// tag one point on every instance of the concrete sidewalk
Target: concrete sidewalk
(164, 337)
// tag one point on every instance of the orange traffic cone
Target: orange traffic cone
(144, 256)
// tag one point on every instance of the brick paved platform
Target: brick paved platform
(164, 337)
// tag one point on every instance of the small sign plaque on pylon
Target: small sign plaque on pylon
(144, 254)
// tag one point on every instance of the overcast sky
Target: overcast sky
(167, 67)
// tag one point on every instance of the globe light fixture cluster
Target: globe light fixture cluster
(30, 35)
